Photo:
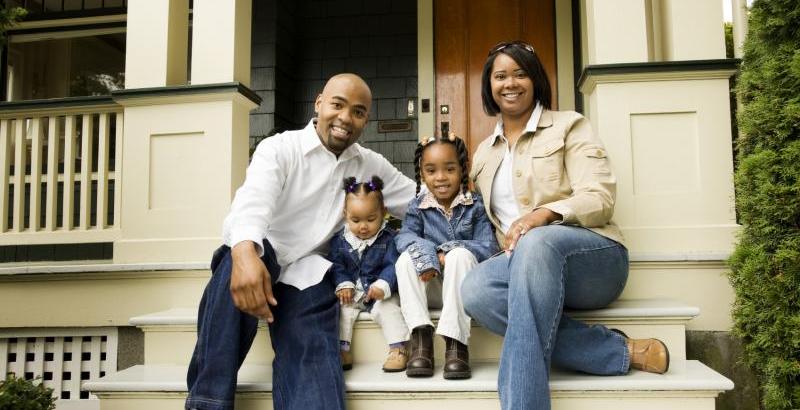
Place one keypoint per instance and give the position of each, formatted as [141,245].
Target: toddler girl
[363,256]
[446,232]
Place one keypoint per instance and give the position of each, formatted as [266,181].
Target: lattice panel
[62,358]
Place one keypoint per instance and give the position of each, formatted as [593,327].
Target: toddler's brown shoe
[396,360]
[347,359]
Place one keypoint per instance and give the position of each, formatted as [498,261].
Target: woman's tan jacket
[562,166]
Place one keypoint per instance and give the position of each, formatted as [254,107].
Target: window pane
[52,5]
[92,4]
[80,66]
[73,4]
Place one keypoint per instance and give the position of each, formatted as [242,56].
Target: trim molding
[656,71]
[179,91]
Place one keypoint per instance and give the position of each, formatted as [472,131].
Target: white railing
[61,166]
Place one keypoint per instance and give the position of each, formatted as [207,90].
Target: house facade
[126,128]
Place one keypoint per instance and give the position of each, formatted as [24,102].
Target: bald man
[272,265]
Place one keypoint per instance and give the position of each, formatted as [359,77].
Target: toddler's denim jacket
[376,262]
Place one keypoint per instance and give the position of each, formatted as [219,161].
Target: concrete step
[170,335]
[689,385]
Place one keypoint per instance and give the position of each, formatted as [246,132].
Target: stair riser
[426,401]
[174,344]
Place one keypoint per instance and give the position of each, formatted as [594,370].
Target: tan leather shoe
[346,358]
[396,360]
[649,355]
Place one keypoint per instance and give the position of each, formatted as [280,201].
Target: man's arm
[398,189]
[252,207]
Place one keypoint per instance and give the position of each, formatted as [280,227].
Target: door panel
[464,31]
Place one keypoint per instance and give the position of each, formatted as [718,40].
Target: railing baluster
[102,172]
[52,173]
[69,171]
[86,171]
[35,204]
[5,156]
[118,169]
[20,159]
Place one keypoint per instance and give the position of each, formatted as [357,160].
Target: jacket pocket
[548,160]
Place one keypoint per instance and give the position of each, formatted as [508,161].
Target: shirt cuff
[423,260]
[248,234]
[566,213]
[345,285]
[384,286]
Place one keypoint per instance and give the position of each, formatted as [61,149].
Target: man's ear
[317,104]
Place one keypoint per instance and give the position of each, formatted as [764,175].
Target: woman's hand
[427,275]
[345,295]
[537,218]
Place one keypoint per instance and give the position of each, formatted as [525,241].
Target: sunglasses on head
[505,44]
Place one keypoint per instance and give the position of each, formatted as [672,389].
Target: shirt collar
[429,201]
[533,123]
[361,244]
[310,141]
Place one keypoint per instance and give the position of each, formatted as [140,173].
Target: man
[271,265]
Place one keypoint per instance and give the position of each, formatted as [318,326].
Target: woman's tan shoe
[649,355]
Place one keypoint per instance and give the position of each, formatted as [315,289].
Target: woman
[549,191]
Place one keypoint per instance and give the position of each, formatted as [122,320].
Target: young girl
[363,256]
[445,233]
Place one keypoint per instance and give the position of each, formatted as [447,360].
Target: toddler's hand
[427,275]
[375,293]
[441,259]
[345,295]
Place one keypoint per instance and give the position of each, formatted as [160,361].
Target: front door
[464,31]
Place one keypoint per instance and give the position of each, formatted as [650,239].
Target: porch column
[655,87]
[692,30]
[157,42]
[617,31]
[186,147]
[221,41]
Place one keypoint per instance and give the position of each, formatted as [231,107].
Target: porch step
[170,335]
[689,385]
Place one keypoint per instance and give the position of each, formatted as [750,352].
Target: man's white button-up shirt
[292,196]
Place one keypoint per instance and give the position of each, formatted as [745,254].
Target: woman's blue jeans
[306,371]
[522,297]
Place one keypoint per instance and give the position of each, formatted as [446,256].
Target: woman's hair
[375,184]
[527,59]
[461,151]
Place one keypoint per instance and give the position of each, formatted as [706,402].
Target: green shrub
[766,263]
[21,394]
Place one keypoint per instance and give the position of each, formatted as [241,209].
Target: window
[65,64]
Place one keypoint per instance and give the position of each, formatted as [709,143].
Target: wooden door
[464,31]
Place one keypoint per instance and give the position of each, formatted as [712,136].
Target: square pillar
[692,30]
[221,41]
[617,31]
[157,42]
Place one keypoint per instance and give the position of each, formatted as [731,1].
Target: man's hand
[345,295]
[251,283]
[375,293]
[427,275]
[525,223]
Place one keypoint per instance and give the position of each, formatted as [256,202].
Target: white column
[739,27]
[692,30]
[617,31]
[156,43]
[221,41]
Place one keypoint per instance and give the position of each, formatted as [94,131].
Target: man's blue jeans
[306,371]
[522,298]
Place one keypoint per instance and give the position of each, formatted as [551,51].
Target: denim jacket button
[419,265]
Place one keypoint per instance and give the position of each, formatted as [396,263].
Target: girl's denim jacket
[376,262]
[427,231]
